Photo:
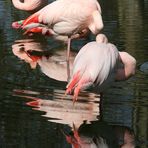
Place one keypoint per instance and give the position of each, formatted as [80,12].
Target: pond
[34,110]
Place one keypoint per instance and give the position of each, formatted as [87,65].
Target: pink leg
[67,58]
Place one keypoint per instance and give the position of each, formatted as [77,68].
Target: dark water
[31,102]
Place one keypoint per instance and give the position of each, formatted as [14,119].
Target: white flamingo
[98,63]
[67,18]
[70,18]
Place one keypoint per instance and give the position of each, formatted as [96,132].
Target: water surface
[31,102]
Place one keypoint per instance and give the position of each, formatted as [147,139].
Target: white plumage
[98,64]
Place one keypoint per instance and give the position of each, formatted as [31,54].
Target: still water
[34,112]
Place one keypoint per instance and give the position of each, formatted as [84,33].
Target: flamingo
[51,62]
[99,134]
[69,18]
[72,18]
[97,64]
[29,5]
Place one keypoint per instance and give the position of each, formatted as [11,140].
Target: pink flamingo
[29,5]
[98,64]
[66,18]
[70,18]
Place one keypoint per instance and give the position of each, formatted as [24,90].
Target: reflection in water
[21,47]
[52,62]
[61,110]
[144,67]
[125,104]
[87,128]
[132,23]
[99,134]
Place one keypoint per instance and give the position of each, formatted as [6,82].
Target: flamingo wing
[68,17]
[92,66]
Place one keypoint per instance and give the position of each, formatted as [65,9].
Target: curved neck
[128,66]
[29,5]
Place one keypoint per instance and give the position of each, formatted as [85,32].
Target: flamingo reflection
[62,110]
[100,134]
[85,71]
[51,62]
[87,130]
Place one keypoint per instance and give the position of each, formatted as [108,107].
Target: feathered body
[67,17]
[97,61]
[95,65]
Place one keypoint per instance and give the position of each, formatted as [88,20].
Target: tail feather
[73,83]
[31,25]
[32,19]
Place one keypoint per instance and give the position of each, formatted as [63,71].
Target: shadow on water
[34,112]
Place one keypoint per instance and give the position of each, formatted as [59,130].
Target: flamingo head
[101,38]
[17,24]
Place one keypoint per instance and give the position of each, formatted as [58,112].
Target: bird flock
[98,63]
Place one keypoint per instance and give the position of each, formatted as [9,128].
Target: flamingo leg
[67,58]
[68,71]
